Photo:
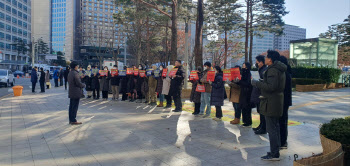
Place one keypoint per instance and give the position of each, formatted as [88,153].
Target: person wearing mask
[139,84]
[95,85]
[66,72]
[205,96]
[160,86]
[287,102]
[260,64]
[196,96]
[42,80]
[235,92]
[34,78]
[217,92]
[74,93]
[152,85]
[166,87]
[47,79]
[271,100]
[145,88]
[104,83]
[88,78]
[246,91]
[56,76]
[131,86]
[115,80]
[124,86]
[61,75]
[176,86]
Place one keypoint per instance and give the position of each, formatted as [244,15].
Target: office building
[15,30]
[290,32]
[41,21]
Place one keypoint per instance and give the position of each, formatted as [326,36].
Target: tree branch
[155,7]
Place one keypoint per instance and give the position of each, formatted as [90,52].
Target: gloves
[254,82]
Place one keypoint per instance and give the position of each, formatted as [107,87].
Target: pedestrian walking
[61,75]
[196,96]
[104,83]
[271,100]
[260,64]
[152,85]
[55,77]
[166,87]
[217,92]
[235,92]
[42,80]
[34,78]
[176,86]
[115,81]
[205,96]
[160,87]
[47,79]
[66,72]
[74,93]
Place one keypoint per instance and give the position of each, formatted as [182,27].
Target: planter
[339,85]
[332,155]
[331,86]
[310,88]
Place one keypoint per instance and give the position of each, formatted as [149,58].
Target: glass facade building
[317,52]
[15,28]
[58,32]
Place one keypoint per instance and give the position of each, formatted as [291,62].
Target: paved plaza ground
[35,131]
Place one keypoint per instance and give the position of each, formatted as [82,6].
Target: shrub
[337,130]
[329,75]
[306,81]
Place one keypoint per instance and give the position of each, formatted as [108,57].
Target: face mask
[106,69]
[78,69]
[205,68]
[160,68]
[140,68]
[256,65]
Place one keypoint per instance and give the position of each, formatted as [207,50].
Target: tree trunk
[251,33]
[148,47]
[226,48]
[173,51]
[246,33]
[139,35]
[198,46]
[166,44]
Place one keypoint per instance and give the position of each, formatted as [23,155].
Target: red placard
[142,73]
[235,73]
[129,71]
[165,71]
[114,72]
[173,71]
[194,75]
[136,72]
[211,76]
[227,75]
[200,88]
[103,72]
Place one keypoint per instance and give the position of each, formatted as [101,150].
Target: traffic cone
[17,76]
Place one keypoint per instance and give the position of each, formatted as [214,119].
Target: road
[25,82]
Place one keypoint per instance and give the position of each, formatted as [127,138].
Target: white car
[6,78]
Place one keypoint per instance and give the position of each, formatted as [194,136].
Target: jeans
[273,128]
[56,82]
[238,110]
[205,102]
[178,102]
[161,98]
[283,122]
[196,108]
[42,86]
[73,109]
[218,112]
[247,115]
[33,86]
[115,91]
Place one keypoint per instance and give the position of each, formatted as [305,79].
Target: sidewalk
[35,131]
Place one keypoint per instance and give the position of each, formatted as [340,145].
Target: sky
[316,15]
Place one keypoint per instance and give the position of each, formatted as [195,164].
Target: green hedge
[306,81]
[329,75]
[337,130]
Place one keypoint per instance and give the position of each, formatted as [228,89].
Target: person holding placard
[166,87]
[124,86]
[115,81]
[196,96]
[152,85]
[95,83]
[104,82]
[88,81]
[176,86]
[246,91]
[205,96]
[235,92]
[160,86]
[217,93]
[131,85]
[139,83]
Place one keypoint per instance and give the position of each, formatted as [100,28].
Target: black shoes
[168,106]
[285,146]
[177,110]
[260,131]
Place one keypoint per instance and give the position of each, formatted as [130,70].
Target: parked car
[6,78]
[19,73]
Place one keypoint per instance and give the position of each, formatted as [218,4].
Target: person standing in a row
[66,72]
[176,86]
[152,85]
[55,77]
[166,87]
[205,96]
[42,80]
[124,87]
[47,79]
[104,82]
[139,84]
[61,74]
[235,92]
[160,86]
[218,93]
[88,77]
[196,96]
[95,85]
[115,80]
[34,78]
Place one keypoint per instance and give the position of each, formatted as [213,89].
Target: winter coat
[166,86]
[124,84]
[75,85]
[235,93]
[131,84]
[65,74]
[144,86]
[104,82]
[55,74]
[195,96]
[42,76]
[139,83]
[115,81]
[177,82]
[246,89]
[204,81]
[272,90]
[152,83]
[47,77]
[88,81]
[255,91]
[61,74]
[288,90]
[34,76]
[159,84]
[95,83]
[218,91]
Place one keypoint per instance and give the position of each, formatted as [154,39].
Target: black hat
[207,64]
